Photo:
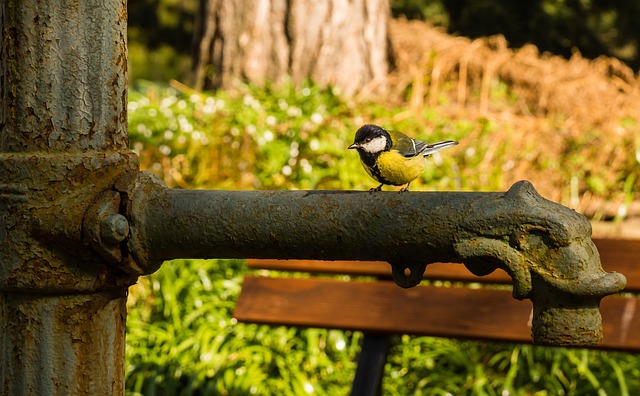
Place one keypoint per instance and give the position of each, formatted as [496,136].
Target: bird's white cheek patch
[375,145]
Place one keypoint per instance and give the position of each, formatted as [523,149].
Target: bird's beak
[353,146]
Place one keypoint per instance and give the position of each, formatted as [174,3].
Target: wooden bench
[380,308]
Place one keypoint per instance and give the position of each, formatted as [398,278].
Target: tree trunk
[332,42]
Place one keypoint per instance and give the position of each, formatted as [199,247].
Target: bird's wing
[405,145]
[428,149]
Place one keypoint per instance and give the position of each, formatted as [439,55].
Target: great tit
[392,157]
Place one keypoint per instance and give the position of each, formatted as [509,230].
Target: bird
[391,157]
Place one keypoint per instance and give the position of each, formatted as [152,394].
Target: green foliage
[296,139]
[431,10]
[159,64]
[262,138]
[159,39]
[426,366]
[182,339]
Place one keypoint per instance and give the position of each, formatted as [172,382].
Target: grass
[181,337]
[182,340]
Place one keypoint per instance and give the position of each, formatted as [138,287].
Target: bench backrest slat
[380,306]
[616,255]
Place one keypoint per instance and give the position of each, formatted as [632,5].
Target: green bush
[182,340]
[282,139]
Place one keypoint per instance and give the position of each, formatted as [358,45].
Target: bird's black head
[371,139]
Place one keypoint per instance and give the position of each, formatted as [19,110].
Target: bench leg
[368,379]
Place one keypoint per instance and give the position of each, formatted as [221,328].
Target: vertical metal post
[371,362]
[63,142]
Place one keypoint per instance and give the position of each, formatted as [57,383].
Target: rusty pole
[63,142]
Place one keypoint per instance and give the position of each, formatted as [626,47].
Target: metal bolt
[114,229]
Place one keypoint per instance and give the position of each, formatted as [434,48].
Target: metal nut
[114,229]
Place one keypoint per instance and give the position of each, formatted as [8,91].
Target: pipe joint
[544,246]
[51,207]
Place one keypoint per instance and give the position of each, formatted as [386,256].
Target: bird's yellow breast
[397,169]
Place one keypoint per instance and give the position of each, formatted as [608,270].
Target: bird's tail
[435,147]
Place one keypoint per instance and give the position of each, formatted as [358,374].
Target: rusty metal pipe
[544,246]
[62,344]
[63,141]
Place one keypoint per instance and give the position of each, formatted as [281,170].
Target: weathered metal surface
[63,142]
[62,344]
[64,75]
[104,228]
[63,138]
[43,201]
[544,246]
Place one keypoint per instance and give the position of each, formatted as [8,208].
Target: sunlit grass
[182,339]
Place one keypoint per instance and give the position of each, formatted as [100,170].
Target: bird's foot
[379,188]
[403,189]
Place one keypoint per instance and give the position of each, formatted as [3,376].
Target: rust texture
[545,247]
[62,345]
[64,76]
[63,144]
[43,200]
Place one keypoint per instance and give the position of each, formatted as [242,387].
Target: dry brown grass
[590,93]
[554,105]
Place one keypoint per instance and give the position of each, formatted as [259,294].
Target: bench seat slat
[458,312]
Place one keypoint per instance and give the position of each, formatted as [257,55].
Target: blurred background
[268,94]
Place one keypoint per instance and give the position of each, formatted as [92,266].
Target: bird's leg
[379,188]
[405,188]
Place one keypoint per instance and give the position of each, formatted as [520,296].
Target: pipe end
[566,326]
